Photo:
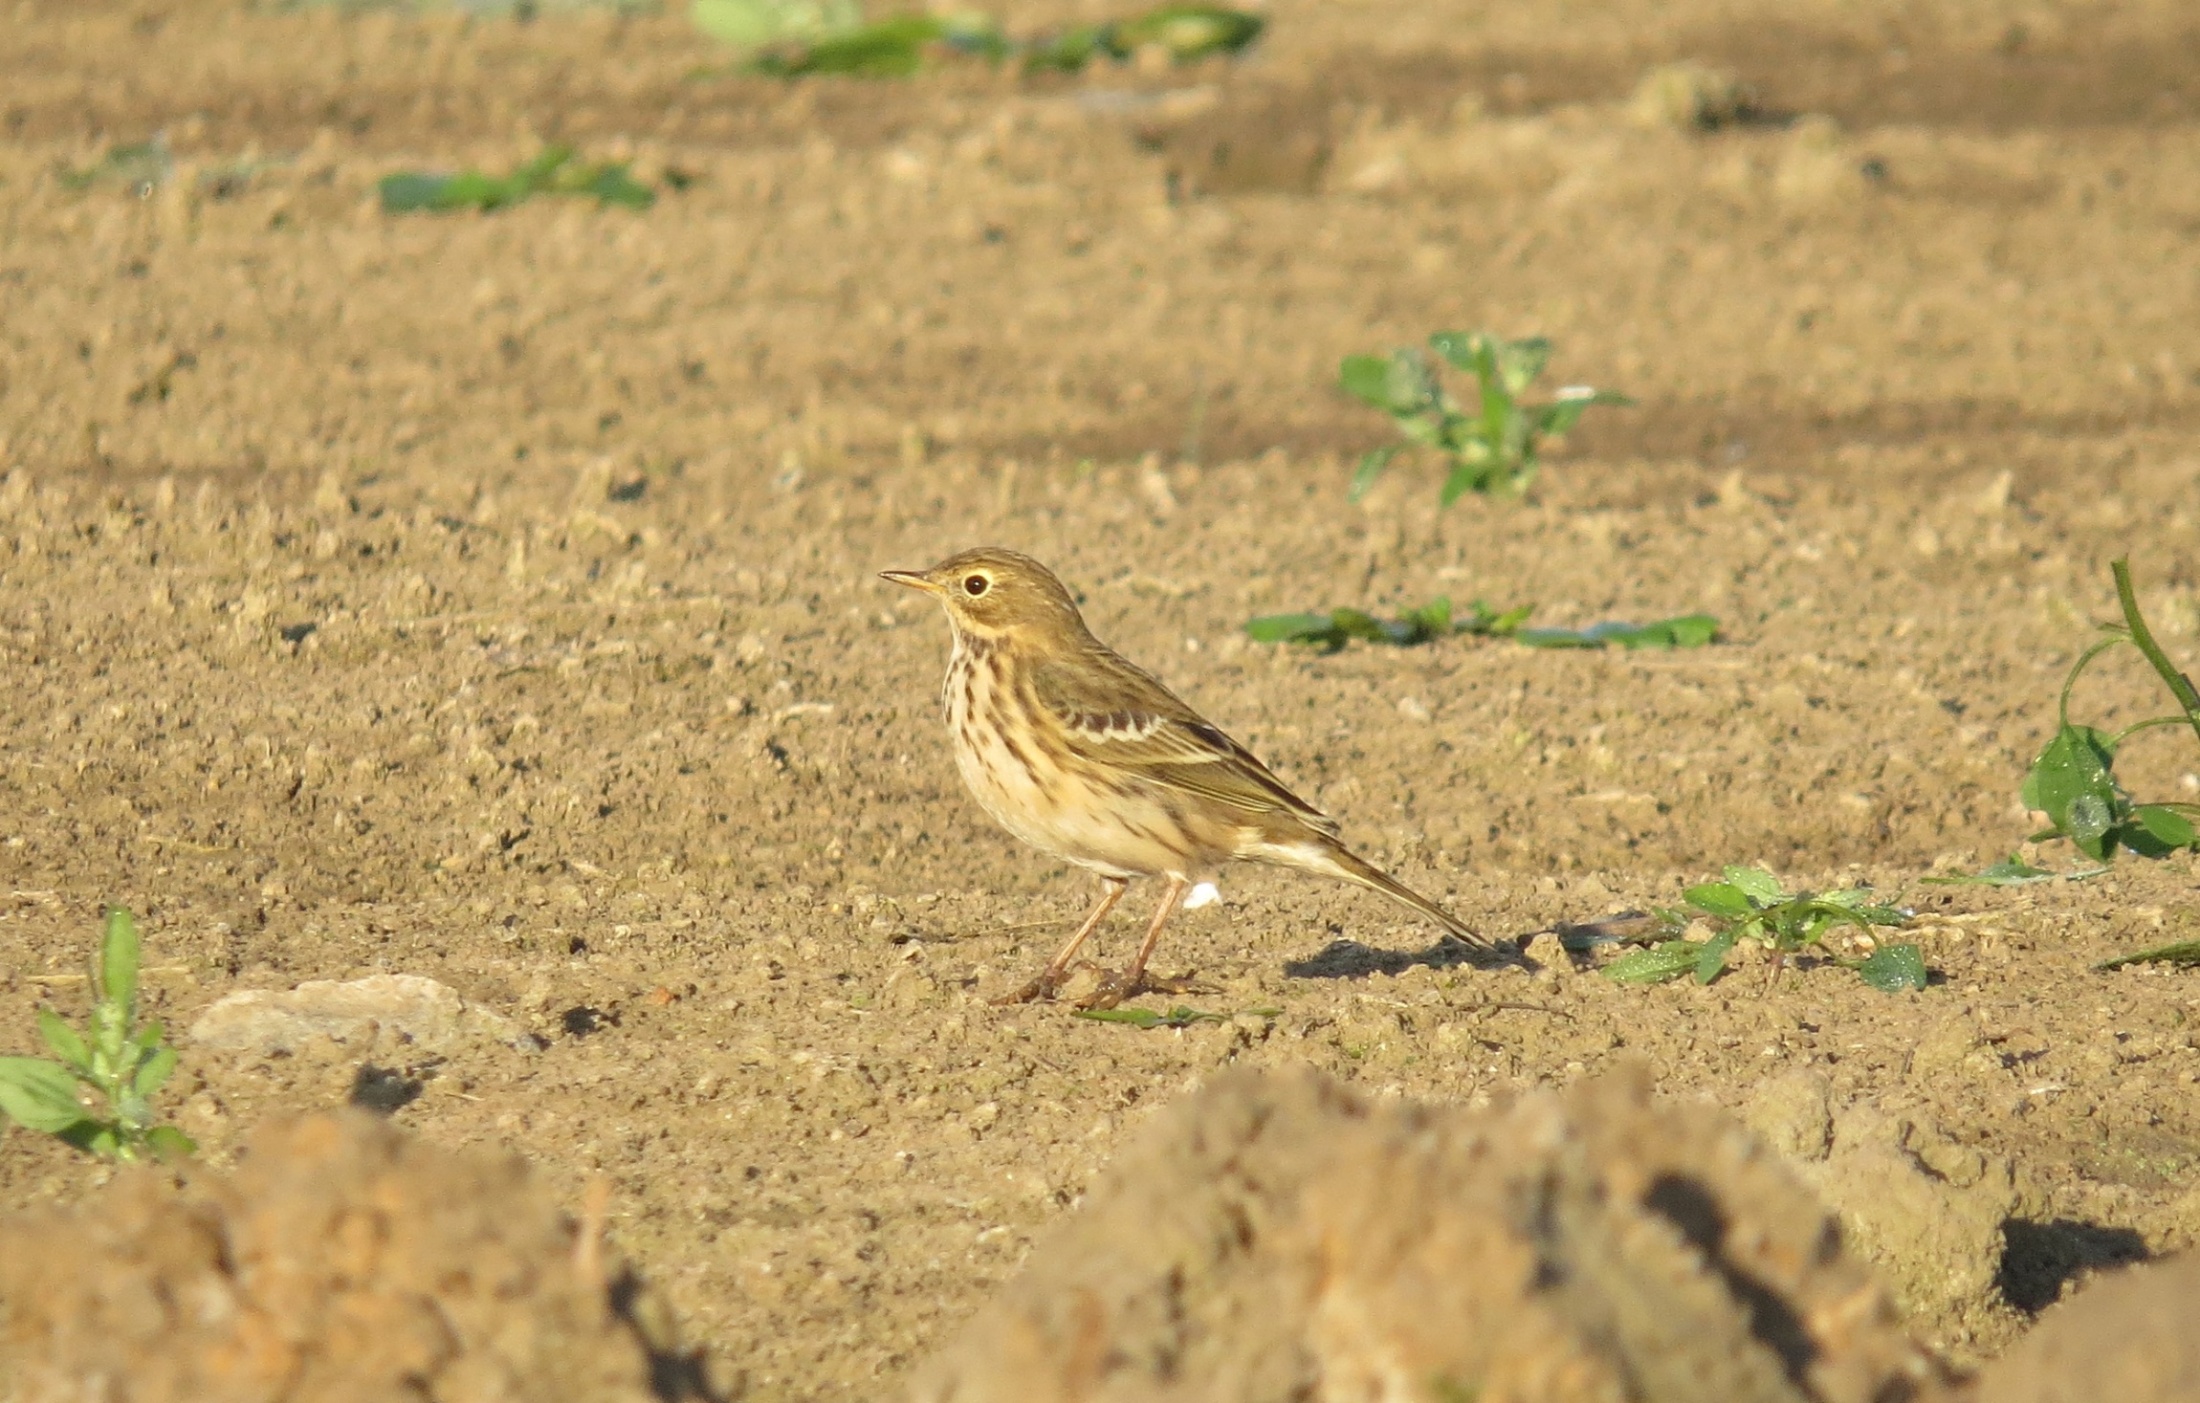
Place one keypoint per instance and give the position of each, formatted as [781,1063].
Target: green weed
[1750,905]
[554,172]
[1683,631]
[119,1064]
[1493,450]
[750,24]
[1332,630]
[2073,781]
[141,168]
[2012,871]
[2185,953]
[901,45]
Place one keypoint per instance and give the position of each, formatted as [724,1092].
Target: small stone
[429,1015]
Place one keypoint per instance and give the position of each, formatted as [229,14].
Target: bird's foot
[1118,985]
[1042,986]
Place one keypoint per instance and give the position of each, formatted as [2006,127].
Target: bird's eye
[975,585]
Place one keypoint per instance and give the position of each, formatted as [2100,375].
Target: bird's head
[996,595]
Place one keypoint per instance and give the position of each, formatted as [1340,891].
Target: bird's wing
[1116,715]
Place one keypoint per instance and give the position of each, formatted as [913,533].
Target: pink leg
[1049,979]
[1118,987]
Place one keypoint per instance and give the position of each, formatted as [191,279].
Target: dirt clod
[1280,1236]
[345,1260]
[2129,1338]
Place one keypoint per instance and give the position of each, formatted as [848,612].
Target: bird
[1087,756]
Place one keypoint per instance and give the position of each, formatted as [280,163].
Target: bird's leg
[1043,984]
[1118,987]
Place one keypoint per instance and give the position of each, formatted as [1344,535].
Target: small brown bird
[1086,756]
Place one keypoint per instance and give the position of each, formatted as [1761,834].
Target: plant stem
[2180,686]
[2062,706]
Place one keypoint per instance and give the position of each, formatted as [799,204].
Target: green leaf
[153,1071]
[1686,631]
[1178,1017]
[1756,883]
[1136,1017]
[1290,628]
[169,1143]
[1188,32]
[96,1137]
[2184,952]
[1431,620]
[1894,968]
[1654,964]
[1556,638]
[1465,477]
[2165,825]
[2072,784]
[118,959]
[611,185]
[1354,623]
[64,1040]
[1711,955]
[408,191]
[38,1095]
[1366,378]
[1719,899]
[1520,362]
[1371,467]
[1465,350]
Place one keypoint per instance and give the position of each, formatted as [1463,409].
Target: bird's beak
[913,578]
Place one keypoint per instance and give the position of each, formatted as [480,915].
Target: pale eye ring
[976,585]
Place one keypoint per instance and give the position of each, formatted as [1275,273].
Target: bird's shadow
[1349,959]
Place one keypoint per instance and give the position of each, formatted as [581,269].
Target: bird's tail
[1335,860]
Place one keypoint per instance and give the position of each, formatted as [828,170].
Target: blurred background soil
[490,599]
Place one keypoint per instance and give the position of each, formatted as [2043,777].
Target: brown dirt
[345,1260]
[1278,1237]
[490,599]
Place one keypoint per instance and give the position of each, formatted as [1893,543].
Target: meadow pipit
[1086,756]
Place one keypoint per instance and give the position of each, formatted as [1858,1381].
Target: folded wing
[1126,719]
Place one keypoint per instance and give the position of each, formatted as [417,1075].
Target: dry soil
[491,598]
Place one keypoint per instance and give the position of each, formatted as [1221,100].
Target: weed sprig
[1751,905]
[119,1063]
[901,45]
[554,172]
[1493,450]
[2073,781]
[1334,628]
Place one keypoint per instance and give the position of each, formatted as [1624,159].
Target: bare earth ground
[491,598]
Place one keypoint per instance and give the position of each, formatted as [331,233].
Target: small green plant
[1750,905]
[2073,781]
[554,172]
[1332,630]
[1683,631]
[900,45]
[1435,619]
[749,24]
[1495,449]
[2184,954]
[119,1064]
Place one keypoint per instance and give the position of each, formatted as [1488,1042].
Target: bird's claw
[1118,985]
[1042,986]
